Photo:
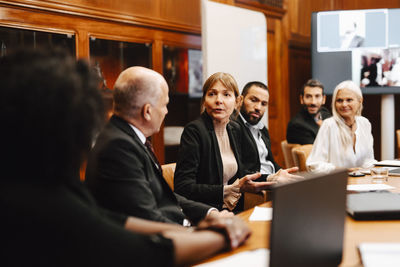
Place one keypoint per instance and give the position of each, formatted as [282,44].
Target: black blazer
[302,128]
[199,169]
[250,157]
[123,177]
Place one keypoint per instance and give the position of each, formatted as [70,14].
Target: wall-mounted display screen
[358,45]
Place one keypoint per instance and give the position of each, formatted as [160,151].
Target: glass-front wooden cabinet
[12,38]
[182,70]
[110,58]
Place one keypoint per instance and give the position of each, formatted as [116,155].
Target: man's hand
[248,185]
[284,176]
[235,229]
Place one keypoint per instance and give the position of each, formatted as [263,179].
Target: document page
[368,187]
[380,254]
[253,258]
[261,214]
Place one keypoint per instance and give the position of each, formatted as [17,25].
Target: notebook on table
[374,206]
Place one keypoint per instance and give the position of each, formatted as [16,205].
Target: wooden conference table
[355,231]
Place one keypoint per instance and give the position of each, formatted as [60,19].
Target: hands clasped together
[233,228]
[233,192]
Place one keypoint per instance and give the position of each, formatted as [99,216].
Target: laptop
[308,221]
[374,206]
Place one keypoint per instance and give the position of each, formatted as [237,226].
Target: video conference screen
[358,45]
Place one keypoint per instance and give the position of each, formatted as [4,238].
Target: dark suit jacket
[302,128]
[123,177]
[199,169]
[250,157]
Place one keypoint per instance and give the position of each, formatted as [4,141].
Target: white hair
[135,87]
[344,130]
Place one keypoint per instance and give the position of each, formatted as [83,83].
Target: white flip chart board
[234,40]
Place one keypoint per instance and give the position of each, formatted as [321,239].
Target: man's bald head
[135,87]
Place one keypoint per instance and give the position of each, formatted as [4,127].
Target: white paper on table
[380,254]
[368,187]
[261,214]
[253,258]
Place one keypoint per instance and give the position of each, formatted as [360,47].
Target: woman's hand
[248,185]
[232,195]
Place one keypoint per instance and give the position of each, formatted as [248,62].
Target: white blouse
[328,152]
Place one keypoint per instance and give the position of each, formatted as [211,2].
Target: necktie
[150,149]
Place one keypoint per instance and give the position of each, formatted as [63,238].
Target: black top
[250,157]
[302,128]
[46,224]
[123,177]
[199,169]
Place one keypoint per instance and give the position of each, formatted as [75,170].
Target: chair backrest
[398,143]
[300,155]
[168,173]
[287,153]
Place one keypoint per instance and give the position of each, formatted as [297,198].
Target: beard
[311,106]
[248,118]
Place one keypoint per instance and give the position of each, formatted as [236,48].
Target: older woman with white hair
[345,139]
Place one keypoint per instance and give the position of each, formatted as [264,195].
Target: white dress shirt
[266,166]
[328,152]
[139,133]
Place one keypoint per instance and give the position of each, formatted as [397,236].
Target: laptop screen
[308,221]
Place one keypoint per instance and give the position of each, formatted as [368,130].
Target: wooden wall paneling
[366,4]
[227,2]
[300,14]
[277,81]
[271,69]
[269,11]
[26,19]
[188,11]
[158,138]
[299,72]
[82,44]
[138,12]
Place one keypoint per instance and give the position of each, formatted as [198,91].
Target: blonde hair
[226,79]
[344,131]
